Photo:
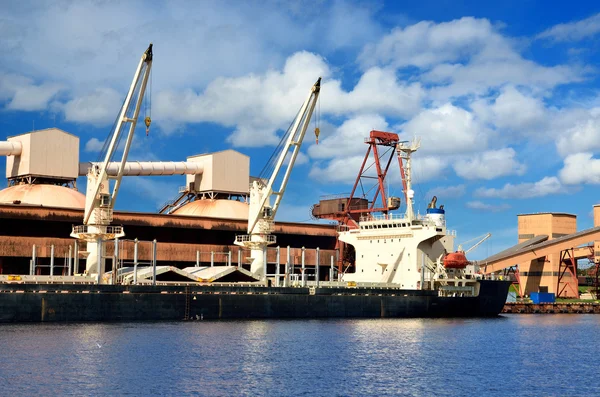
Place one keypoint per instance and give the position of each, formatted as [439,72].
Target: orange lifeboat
[456,260]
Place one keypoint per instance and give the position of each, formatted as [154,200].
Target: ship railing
[244,238]
[384,217]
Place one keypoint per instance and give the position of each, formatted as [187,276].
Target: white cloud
[348,139]
[573,31]
[100,107]
[93,145]
[455,191]
[377,91]
[547,185]
[427,43]
[479,205]
[513,110]
[256,105]
[583,136]
[580,168]
[489,165]
[22,93]
[427,168]
[447,129]
[462,57]
[343,170]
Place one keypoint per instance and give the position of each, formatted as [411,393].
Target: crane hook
[317,132]
[147,121]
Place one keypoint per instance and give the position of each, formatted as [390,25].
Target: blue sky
[504,96]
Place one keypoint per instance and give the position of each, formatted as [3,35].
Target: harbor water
[525,355]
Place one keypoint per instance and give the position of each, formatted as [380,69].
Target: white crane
[99,203]
[261,213]
[477,244]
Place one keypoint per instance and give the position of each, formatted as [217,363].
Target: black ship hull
[75,303]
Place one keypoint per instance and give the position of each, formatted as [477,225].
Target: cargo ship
[404,266]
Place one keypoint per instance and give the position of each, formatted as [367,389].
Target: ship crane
[480,239]
[99,202]
[261,212]
[458,259]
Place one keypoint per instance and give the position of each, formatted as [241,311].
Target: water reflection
[331,357]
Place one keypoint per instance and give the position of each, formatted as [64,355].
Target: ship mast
[405,151]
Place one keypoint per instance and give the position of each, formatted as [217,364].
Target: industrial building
[547,254]
[41,205]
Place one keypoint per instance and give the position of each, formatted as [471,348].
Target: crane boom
[261,213]
[294,141]
[140,77]
[477,244]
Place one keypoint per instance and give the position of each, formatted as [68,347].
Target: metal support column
[288,267]
[154,260]
[277,271]
[70,260]
[75,258]
[212,258]
[317,267]
[239,257]
[52,260]
[33,259]
[229,258]
[115,262]
[266,264]
[331,268]
[135,260]
[99,244]
[303,268]
[197,258]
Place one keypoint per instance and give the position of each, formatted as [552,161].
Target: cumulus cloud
[427,43]
[547,185]
[481,206]
[93,145]
[99,107]
[348,139]
[462,57]
[447,129]
[582,136]
[513,110]
[489,165]
[22,93]
[447,191]
[580,168]
[573,31]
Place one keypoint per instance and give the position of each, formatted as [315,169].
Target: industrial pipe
[146,168]
[10,148]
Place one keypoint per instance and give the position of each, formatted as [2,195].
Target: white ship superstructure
[405,250]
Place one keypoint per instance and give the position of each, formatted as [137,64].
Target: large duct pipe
[146,168]
[10,148]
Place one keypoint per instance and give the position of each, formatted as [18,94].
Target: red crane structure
[348,209]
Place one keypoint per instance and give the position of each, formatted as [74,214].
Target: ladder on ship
[188,297]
